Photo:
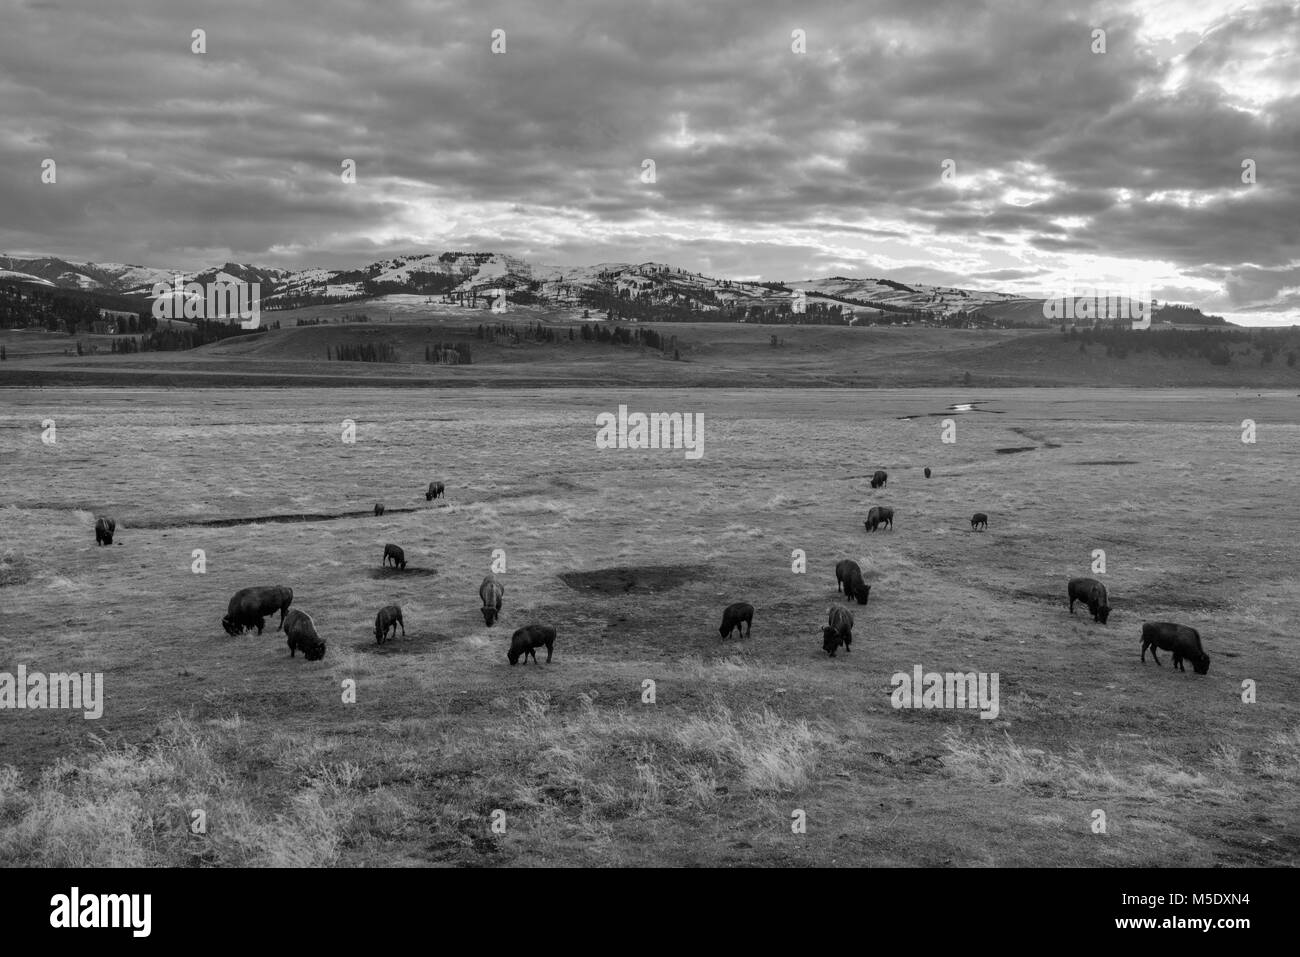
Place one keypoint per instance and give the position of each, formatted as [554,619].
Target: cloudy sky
[1123,166]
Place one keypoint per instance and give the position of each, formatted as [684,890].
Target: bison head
[1201,664]
[232,629]
[830,640]
[379,633]
[862,593]
[513,655]
[316,652]
[489,615]
[1102,612]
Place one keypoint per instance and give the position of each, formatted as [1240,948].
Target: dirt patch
[633,579]
[412,644]
[14,570]
[1012,449]
[410,571]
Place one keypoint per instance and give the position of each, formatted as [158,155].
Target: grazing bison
[104,529]
[1093,594]
[389,617]
[490,593]
[733,616]
[927,471]
[396,555]
[879,515]
[435,490]
[527,640]
[838,630]
[302,636]
[1184,642]
[379,509]
[250,606]
[848,578]
[879,479]
[979,520]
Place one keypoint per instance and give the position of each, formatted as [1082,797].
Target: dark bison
[490,593]
[848,578]
[879,479]
[435,490]
[104,529]
[389,617]
[527,640]
[379,509]
[732,618]
[838,630]
[927,471]
[979,520]
[395,555]
[302,636]
[1184,642]
[1093,594]
[879,515]
[250,606]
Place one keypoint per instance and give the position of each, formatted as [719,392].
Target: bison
[877,516]
[104,529]
[838,630]
[1184,642]
[527,640]
[435,490]
[927,471]
[848,578]
[879,479]
[302,636]
[490,593]
[1093,594]
[250,606]
[395,555]
[389,617]
[979,520]
[732,618]
[379,509]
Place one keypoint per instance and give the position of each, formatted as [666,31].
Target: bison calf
[395,555]
[389,617]
[490,593]
[1093,594]
[979,520]
[733,616]
[104,529]
[838,630]
[879,479]
[302,636]
[436,489]
[1183,641]
[927,471]
[379,509]
[527,640]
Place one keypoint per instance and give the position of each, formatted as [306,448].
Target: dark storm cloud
[166,157]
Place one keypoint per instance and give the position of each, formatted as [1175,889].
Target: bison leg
[1178,662]
[548,652]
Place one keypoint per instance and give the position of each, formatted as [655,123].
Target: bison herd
[1183,642]
[249,607]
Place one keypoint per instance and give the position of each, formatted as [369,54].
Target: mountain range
[475,276]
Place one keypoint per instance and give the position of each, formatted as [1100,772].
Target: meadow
[632,555]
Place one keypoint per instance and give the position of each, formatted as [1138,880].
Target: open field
[631,555]
[712,355]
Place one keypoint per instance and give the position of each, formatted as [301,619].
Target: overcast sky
[1104,168]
